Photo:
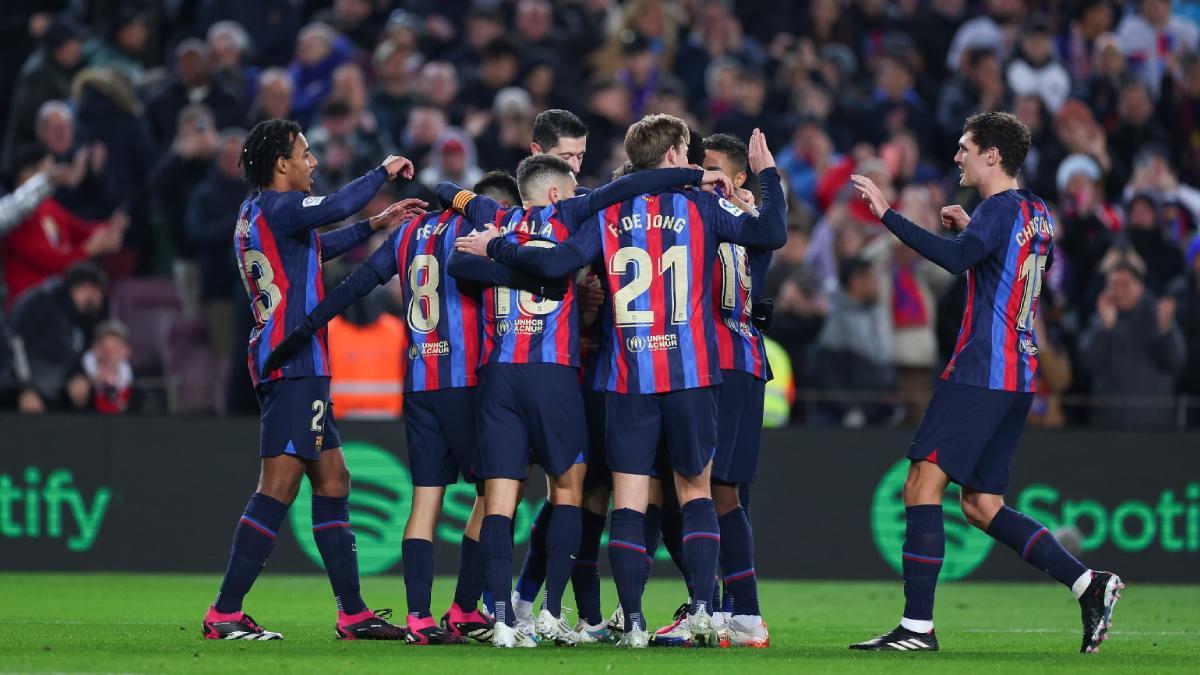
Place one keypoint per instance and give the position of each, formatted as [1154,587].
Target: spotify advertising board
[164,494]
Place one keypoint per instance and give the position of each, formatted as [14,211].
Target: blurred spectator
[107,368]
[123,44]
[855,350]
[806,159]
[750,111]
[506,140]
[996,31]
[274,23]
[933,30]
[1183,114]
[1153,175]
[212,212]
[1035,69]
[26,196]
[95,192]
[356,19]
[1134,351]
[1136,125]
[392,96]
[55,321]
[1103,88]
[1078,133]
[800,303]
[1054,371]
[230,45]
[319,51]
[344,148]
[483,24]
[176,174]
[453,160]
[498,69]
[1087,226]
[716,34]
[192,82]
[1154,40]
[44,76]
[1163,257]
[1186,294]
[439,83]
[51,238]
[274,99]
[534,24]
[977,87]
[1044,152]
[1077,44]
[350,87]
[425,123]
[607,116]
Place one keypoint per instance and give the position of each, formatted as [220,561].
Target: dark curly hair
[267,141]
[1002,131]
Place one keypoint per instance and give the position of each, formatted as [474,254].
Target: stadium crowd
[125,121]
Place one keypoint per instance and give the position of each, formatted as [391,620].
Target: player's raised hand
[760,156]
[399,212]
[398,166]
[716,179]
[476,243]
[871,194]
[954,217]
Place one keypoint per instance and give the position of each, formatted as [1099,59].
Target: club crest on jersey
[1026,346]
[319,442]
[312,201]
[729,206]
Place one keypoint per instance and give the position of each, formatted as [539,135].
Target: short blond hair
[649,138]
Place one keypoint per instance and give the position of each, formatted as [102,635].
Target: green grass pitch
[150,624]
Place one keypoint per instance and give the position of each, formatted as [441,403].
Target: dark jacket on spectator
[162,109]
[212,212]
[169,183]
[1132,361]
[1186,292]
[41,79]
[54,334]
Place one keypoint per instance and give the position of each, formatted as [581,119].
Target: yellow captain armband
[460,200]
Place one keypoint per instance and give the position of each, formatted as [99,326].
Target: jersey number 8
[424,308]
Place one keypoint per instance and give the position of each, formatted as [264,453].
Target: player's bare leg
[330,480]
[562,544]
[278,482]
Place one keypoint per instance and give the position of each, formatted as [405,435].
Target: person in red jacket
[52,238]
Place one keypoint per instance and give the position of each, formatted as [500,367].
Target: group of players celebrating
[613,337]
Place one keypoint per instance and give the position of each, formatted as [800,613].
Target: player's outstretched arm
[767,231]
[580,249]
[377,269]
[468,267]
[578,209]
[477,209]
[335,243]
[296,212]
[953,255]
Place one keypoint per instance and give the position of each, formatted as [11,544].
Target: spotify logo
[379,504]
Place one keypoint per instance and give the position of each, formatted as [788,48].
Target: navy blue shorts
[442,441]
[529,413]
[684,421]
[297,418]
[971,433]
[739,426]
[598,473]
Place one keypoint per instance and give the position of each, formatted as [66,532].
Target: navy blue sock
[533,569]
[627,555]
[1036,545]
[651,537]
[335,541]
[470,575]
[585,577]
[418,575]
[495,539]
[252,543]
[488,604]
[562,543]
[727,599]
[924,548]
[701,547]
[737,562]
[744,497]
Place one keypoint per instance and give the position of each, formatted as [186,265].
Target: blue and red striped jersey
[737,282]
[996,346]
[520,327]
[444,321]
[593,335]
[279,255]
[658,252]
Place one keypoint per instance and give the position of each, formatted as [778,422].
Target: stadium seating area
[125,119]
